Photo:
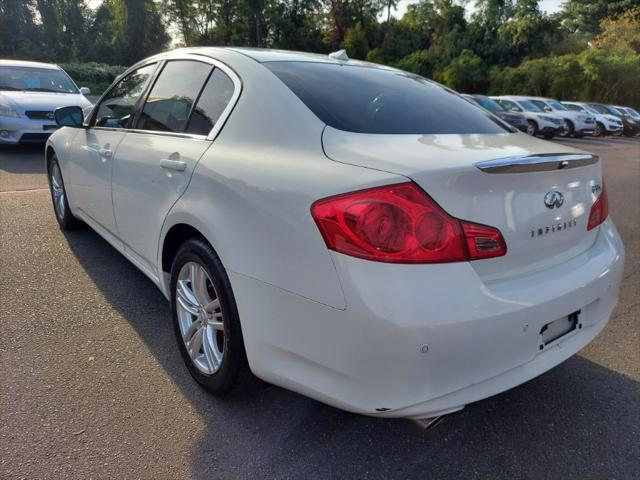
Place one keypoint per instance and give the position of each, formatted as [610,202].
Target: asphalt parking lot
[92,385]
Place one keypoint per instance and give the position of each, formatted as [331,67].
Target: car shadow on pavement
[19,158]
[579,420]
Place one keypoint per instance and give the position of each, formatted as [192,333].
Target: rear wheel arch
[174,238]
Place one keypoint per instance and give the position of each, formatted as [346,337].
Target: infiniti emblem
[553,199]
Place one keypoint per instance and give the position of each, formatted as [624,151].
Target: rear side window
[375,100]
[169,103]
[213,100]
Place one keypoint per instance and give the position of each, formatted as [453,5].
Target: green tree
[466,73]
[355,42]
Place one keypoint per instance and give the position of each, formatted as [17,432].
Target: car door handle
[105,152]
[176,165]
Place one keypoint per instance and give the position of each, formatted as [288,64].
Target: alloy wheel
[200,318]
[531,129]
[59,200]
[566,129]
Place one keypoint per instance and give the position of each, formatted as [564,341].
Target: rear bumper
[422,340]
[24,130]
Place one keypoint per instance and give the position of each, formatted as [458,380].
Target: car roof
[24,63]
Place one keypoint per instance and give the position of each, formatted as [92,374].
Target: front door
[95,149]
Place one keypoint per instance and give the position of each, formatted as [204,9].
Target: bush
[96,76]
[595,74]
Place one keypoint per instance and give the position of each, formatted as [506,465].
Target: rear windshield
[374,100]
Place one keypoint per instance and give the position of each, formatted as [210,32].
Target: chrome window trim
[537,163]
[237,90]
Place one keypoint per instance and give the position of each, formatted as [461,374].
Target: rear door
[155,160]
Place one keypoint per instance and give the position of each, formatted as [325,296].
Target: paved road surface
[92,385]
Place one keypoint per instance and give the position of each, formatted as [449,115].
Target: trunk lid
[508,193]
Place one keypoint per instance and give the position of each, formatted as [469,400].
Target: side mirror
[85,91]
[515,109]
[69,117]
[548,109]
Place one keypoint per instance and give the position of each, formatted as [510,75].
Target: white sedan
[352,232]
[29,94]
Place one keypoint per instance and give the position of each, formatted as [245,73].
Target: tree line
[589,50]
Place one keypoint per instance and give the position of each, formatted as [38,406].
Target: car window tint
[213,100]
[539,104]
[378,100]
[575,108]
[116,109]
[557,105]
[489,104]
[509,105]
[34,79]
[169,103]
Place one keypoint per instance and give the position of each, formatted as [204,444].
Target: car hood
[22,101]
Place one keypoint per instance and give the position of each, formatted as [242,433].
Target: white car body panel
[373,338]
[543,120]
[13,128]
[611,123]
[582,123]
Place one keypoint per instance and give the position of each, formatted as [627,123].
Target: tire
[599,130]
[220,363]
[567,131]
[532,128]
[59,198]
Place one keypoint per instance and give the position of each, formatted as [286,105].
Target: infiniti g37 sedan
[352,232]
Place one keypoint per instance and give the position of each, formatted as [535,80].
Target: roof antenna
[340,55]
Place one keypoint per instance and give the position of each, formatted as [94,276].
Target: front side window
[364,99]
[509,105]
[169,103]
[540,104]
[530,107]
[557,106]
[32,79]
[575,108]
[213,100]
[116,109]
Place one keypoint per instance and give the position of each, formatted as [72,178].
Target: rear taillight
[401,224]
[599,210]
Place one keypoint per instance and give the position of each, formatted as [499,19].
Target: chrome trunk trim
[537,163]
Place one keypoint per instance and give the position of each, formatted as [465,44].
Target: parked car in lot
[633,113]
[360,235]
[629,126]
[538,122]
[631,121]
[29,94]
[606,123]
[576,124]
[513,118]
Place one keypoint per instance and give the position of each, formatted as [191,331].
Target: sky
[549,6]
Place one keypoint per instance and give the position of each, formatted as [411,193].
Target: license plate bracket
[557,329]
